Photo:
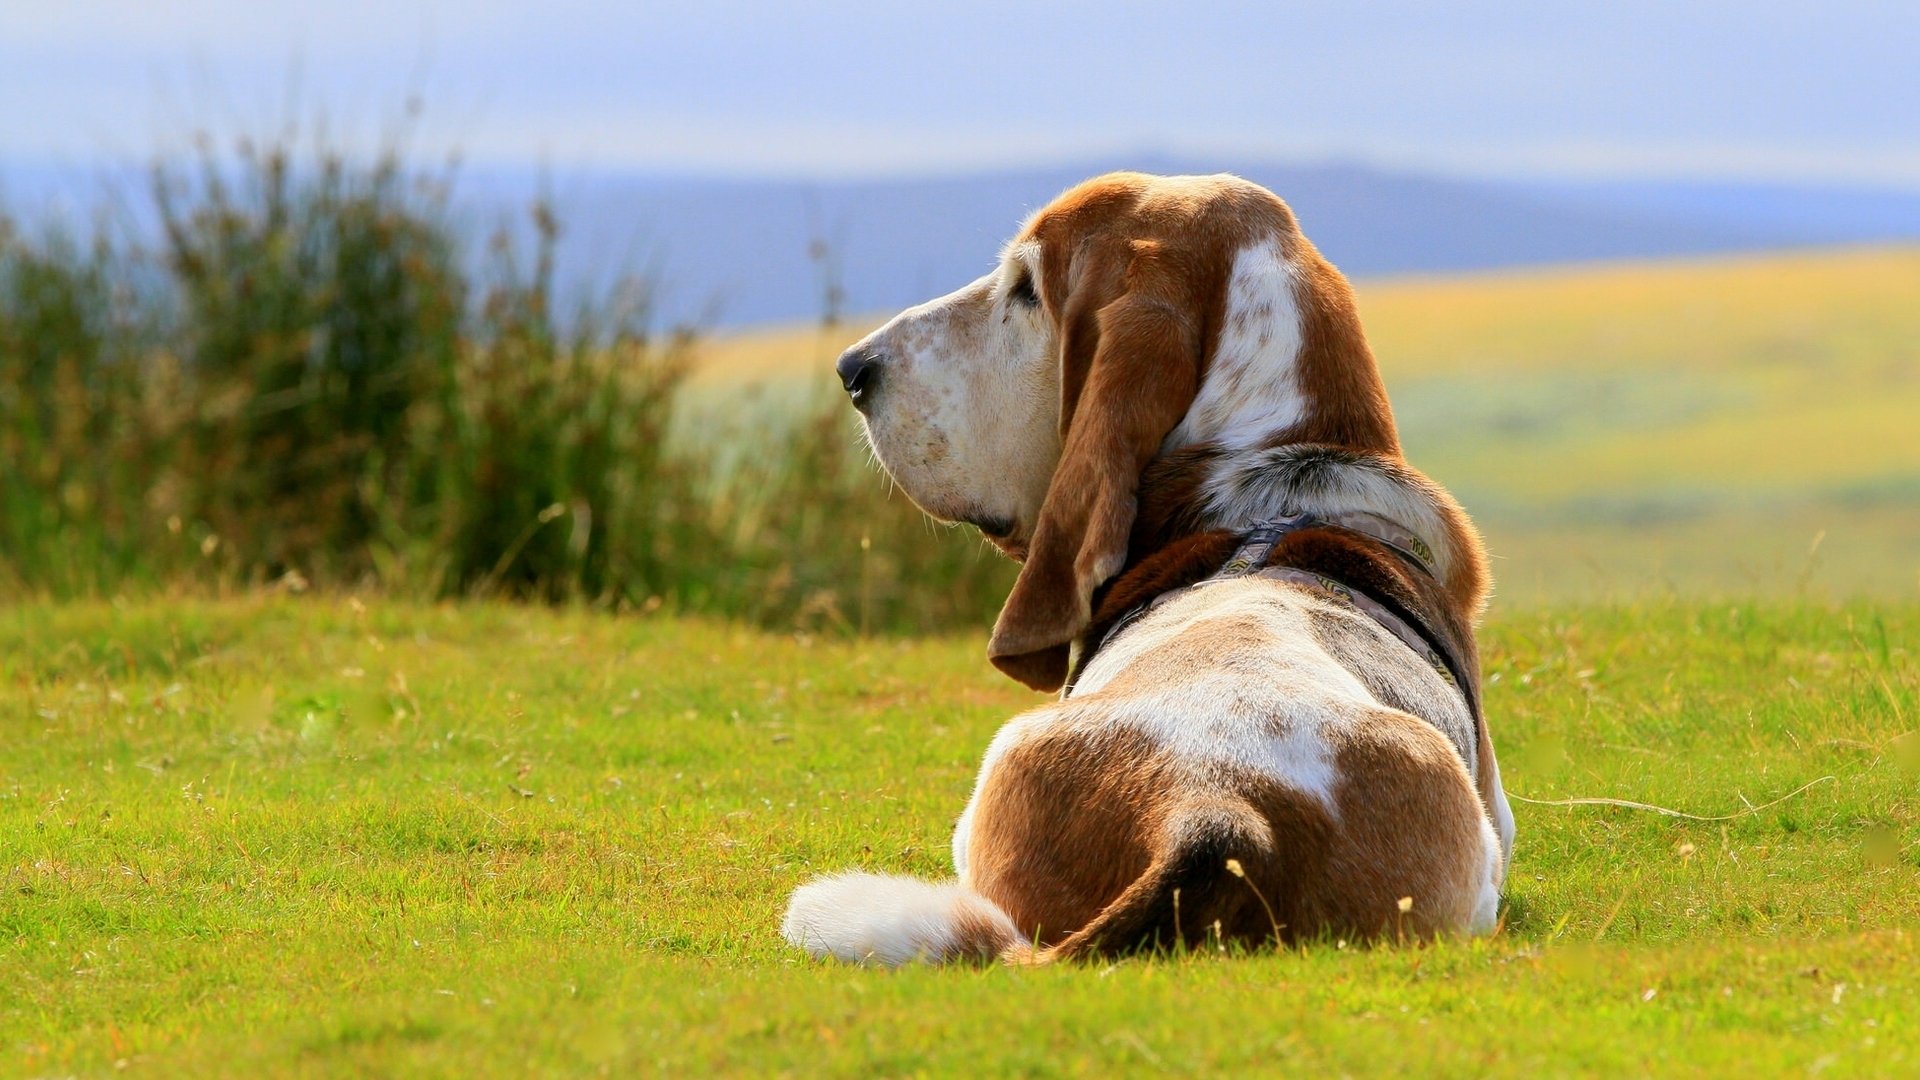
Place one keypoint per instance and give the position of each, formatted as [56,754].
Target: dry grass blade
[1629,804]
[1234,868]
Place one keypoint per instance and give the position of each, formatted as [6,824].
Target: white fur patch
[965,409]
[871,919]
[1266,703]
[1252,388]
[1502,817]
[1486,902]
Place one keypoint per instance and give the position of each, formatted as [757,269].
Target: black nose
[859,371]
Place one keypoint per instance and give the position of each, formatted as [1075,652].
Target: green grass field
[328,836]
[325,835]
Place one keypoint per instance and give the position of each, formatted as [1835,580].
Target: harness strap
[1257,544]
[1374,609]
[1250,560]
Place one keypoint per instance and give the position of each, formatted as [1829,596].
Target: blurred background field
[1728,425]
[317,374]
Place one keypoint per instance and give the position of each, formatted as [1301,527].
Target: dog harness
[1250,560]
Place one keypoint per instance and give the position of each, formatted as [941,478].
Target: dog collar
[1256,546]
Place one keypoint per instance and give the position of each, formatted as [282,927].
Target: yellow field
[1728,425]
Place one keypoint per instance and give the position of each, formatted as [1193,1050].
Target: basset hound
[1162,404]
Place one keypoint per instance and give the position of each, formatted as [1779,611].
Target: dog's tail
[1186,893]
[870,919]
[1195,888]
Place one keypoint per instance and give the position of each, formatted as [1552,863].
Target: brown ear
[1129,367]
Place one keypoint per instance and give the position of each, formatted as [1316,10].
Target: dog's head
[1133,317]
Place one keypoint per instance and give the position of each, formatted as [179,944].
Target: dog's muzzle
[859,371]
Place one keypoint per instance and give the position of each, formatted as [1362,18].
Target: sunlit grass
[346,836]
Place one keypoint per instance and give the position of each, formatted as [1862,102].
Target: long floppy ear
[1129,368]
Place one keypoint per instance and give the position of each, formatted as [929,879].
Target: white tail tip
[870,919]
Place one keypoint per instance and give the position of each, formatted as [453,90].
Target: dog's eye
[1023,292]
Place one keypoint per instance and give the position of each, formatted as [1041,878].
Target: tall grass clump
[555,475]
[78,433]
[317,315]
[309,375]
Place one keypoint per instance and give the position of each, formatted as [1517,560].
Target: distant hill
[737,252]
[734,252]
[1814,215]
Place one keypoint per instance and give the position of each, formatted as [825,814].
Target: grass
[340,836]
[1696,427]
[311,376]
[243,831]
[302,377]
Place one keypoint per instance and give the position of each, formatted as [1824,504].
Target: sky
[1703,89]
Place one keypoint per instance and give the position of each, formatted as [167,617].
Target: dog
[1161,403]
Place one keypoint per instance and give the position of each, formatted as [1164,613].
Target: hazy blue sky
[1800,91]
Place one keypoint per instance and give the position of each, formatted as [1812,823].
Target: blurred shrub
[318,312]
[303,386]
[813,538]
[78,436]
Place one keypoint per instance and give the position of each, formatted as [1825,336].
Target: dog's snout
[859,371]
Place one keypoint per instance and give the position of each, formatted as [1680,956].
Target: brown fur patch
[978,934]
[1170,566]
[1170,498]
[1348,404]
[1135,273]
[1410,824]
[1406,823]
[1407,826]
[1065,822]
